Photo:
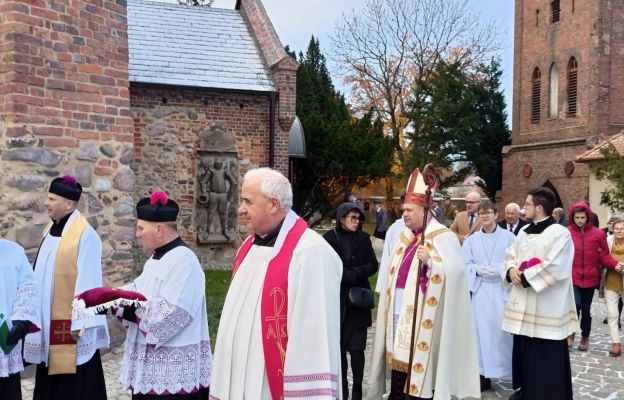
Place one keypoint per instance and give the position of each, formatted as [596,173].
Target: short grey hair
[274,185]
[514,206]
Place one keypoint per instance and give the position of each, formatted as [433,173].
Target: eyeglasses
[355,218]
[484,213]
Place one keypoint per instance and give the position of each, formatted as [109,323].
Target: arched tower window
[553,93]
[536,96]
[572,87]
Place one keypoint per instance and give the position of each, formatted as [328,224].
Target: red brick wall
[245,115]
[541,46]
[64,108]
[283,69]
[592,33]
[547,163]
[65,71]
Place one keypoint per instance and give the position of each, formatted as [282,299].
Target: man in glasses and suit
[466,222]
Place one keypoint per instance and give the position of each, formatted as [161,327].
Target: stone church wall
[170,125]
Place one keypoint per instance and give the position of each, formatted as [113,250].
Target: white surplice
[392,237]
[484,255]
[167,350]
[312,363]
[546,308]
[94,329]
[19,299]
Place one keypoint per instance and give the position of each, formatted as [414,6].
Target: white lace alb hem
[166,369]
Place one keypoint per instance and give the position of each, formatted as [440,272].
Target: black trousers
[201,394]
[583,298]
[397,387]
[86,384]
[357,367]
[11,387]
[541,368]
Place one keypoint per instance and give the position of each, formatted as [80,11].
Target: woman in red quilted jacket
[590,253]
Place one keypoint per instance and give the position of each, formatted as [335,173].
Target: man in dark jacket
[512,221]
[590,252]
[359,262]
[381,220]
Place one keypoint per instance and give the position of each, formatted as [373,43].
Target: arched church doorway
[550,186]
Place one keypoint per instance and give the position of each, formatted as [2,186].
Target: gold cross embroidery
[60,334]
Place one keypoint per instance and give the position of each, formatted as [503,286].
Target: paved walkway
[595,374]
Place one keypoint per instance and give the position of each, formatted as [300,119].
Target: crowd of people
[464,297]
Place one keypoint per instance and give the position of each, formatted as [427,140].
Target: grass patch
[217,284]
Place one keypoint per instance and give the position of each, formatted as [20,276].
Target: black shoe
[604,321]
[517,395]
[486,383]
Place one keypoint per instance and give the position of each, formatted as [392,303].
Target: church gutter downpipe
[272,99]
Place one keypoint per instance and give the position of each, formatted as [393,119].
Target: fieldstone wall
[172,127]
[64,109]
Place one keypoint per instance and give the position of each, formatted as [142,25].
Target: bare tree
[387,46]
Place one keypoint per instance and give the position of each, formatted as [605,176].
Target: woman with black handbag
[356,298]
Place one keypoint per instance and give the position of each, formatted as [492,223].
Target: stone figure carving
[217,187]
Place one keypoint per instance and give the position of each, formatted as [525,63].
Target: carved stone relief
[217,187]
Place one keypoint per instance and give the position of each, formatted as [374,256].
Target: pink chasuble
[274,306]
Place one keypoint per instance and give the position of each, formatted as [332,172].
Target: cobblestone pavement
[595,375]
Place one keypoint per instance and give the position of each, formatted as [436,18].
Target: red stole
[274,306]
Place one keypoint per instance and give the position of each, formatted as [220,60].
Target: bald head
[472,199]
[512,213]
[558,214]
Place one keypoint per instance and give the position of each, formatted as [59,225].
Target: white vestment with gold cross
[445,350]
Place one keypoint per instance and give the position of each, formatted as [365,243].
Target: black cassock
[10,387]
[86,384]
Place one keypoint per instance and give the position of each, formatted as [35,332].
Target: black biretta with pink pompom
[66,186]
[157,208]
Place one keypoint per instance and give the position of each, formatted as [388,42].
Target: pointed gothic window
[554,92]
[536,96]
[572,87]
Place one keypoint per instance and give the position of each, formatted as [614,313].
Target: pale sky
[297,20]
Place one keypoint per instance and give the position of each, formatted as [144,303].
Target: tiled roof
[174,44]
[595,153]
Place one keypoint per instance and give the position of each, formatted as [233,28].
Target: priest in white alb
[279,334]
[445,361]
[19,312]
[167,352]
[69,262]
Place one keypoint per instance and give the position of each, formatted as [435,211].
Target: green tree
[342,151]
[196,2]
[457,121]
[611,169]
